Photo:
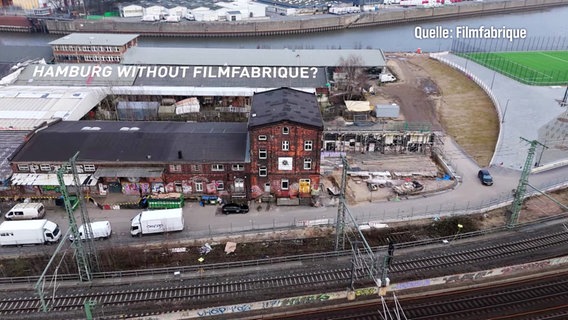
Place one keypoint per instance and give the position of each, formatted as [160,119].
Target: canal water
[550,22]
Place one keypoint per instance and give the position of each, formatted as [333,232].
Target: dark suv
[485,177]
[230,208]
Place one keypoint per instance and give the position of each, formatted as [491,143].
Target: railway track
[535,298]
[195,290]
[481,254]
[190,292]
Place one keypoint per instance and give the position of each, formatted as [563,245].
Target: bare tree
[352,75]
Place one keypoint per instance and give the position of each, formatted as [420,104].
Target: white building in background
[204,14]
[132,11]
[247,8]
[234,16]
[178,11]
[156,11]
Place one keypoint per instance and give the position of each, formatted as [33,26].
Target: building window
[86,48]
[284,183]
[23,167]
[285,145]
[308,145]
[262,171]
[175,167]
[220,185]
[89,167]
[196,167]
[285,130]
[239,185]
[262,138]
[307,164]
[238,167]
[44,167]
[217,167]
[198,186]
[262,154]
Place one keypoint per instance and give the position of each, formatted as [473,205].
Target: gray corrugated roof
[250,57]
[219,142]
[188,76]
[96,39]
[9,142]
[75,74]
[285,104]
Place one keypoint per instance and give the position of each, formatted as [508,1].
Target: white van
[100,229]
[25,211]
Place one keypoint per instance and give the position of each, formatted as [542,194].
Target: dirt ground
[429,91]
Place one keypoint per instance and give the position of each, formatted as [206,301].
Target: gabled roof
[285,104]
[134,141]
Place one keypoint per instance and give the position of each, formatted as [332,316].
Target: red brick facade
[290,153]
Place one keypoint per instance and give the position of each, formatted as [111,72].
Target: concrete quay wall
[294,26]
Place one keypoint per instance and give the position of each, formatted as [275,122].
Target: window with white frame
[44,167]
[262,154]
[307,164]
[217,167]
[238,167]
[285,130]
[86,48]
[285,145]
[308,145]
[262,137]
[89,167]
[220,185]
[284,184]
[262,171]
[175,167]
[198,186]
[23,167]
[196,167]
[239,185]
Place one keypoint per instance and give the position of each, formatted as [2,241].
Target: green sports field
[534,67]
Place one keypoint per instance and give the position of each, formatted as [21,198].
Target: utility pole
[523,182]
[85,257]
[340,220]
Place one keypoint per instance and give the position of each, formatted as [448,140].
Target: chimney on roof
[180,155]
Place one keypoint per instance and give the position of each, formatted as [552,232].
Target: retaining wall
[271,27]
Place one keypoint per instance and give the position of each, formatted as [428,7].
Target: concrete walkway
[530,112]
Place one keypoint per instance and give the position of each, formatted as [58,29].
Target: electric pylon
[523,181]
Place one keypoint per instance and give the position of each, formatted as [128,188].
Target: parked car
[230,208]
[485,177]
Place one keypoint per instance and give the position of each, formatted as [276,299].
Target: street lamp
[505,112]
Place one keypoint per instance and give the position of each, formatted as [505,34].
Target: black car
[485,177]
[230,208]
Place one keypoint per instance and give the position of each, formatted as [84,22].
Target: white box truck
[29,232]
[100,230]
[157,221]
[24,211]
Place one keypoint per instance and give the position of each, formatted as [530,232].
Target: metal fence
[482,51]
[542,43]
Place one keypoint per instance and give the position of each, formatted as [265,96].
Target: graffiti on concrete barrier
[224,310]
[366,291]
[271,304]
[304,299]
[412,284]
[526,267]
[467,276]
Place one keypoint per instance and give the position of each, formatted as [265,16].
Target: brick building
[276,153]
[285,128]
[92,47]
